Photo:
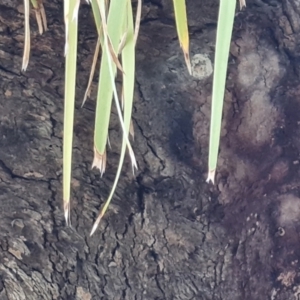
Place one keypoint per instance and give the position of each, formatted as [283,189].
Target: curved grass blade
[182,29]
[71,25]
[128,63]
[26,53]
[224,33]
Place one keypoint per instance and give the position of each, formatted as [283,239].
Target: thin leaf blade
[128,62]
[71,25]
[224,34]
[182,29]
[105,86]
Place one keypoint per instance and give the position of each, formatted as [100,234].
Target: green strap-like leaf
[224,33]
[128,63]
[182,29]
[71,24]
[115,19]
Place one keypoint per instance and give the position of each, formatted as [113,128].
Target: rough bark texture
[168,234]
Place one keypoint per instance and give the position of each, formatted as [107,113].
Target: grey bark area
[167,234]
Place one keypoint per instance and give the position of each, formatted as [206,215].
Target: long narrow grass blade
[106,87]
[128,62]
[182,30]
[38,16]
[224,33]
[44,18]
[110,65]
[137,20]
[97,19]
[26,53]
[88,89]
[71,25]
[66,19]
[39,21]
[97,16]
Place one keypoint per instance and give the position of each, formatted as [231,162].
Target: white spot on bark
[201,66]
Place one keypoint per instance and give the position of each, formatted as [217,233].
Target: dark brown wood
[167,234]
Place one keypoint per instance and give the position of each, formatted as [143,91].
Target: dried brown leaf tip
[96,224]
[211,176]
[99,161]
[242,4]
[67,212]
[188,62]
[40,15]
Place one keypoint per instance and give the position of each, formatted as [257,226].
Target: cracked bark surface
[167,234]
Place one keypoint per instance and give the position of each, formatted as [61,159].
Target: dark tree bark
[167,234]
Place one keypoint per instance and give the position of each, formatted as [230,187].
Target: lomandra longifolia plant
[118,27]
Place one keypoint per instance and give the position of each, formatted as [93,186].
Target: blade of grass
[97,19]
[182,29]
[26,53]
[137,20]
[40,15]
[97,16]
[106,86]
[88,89]
[113,54]
[44,18]
[128,63]
[122,42]
[224,33]
[37,15]
[131,153]
[71,25]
